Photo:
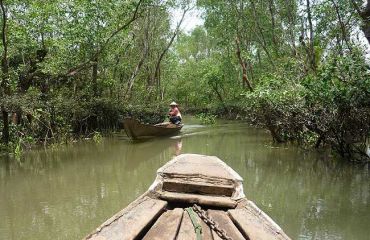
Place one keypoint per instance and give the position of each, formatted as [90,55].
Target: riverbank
[61,124]
[282,125]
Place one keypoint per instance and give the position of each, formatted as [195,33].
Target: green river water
[65,193]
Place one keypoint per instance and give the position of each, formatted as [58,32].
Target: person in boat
[174,114]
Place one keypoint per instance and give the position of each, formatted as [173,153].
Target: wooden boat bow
[182,182]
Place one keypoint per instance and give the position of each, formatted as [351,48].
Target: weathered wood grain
[214,201]
[194,164]
[223,220]
[199,174]
[166,227]
[187,232]
[181,185]
[129,223]
[255,224]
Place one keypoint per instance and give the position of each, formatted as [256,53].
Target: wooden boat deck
[187,179]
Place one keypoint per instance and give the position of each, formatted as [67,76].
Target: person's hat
[173,104]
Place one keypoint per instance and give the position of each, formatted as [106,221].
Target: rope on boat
[197,227]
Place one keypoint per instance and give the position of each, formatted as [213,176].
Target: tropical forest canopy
[299,68]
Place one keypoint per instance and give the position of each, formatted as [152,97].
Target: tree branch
[242,64]
[156,73]
[357,8]
[90,62]
[342,26]
[113,34]
[365,15]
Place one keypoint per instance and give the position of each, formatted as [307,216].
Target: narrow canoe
[163,211]
[136,130]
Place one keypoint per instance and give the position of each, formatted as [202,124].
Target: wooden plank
[242,203]
[166,226]
[187,232]
[214,201]
[225,223]
[206,231]
[179,185]
[255,224]
[215,236]
[130,222]
[195,165]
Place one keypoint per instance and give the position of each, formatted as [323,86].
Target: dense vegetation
[296,67]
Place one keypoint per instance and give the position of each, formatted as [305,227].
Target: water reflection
[66,193]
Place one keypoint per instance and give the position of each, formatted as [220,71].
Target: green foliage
[18,150]
[207,119]
[277,106]
[70,64]
[150,113]
[311,89]
[329,108]
[97,138]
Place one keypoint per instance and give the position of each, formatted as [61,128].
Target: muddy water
[65,193]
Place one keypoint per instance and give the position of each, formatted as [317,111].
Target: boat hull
[136,130]
[198,182]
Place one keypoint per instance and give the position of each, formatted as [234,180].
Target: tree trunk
[146,41]
[365,16]
[5,70]
[95,76]
[312,56]
[291,28]
[219,96]
[130,83]
[158,65]
[6,136]
[260,36]
[273,26]
[242,64]
[366,21]
[250,70]
[345,36]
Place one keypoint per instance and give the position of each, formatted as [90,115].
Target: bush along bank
[65,121]
[329,108]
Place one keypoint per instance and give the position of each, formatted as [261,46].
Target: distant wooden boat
[189,191]
[136,130]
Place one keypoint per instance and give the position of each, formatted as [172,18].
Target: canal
[65,192]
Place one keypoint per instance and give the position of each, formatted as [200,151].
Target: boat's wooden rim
[158,125]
